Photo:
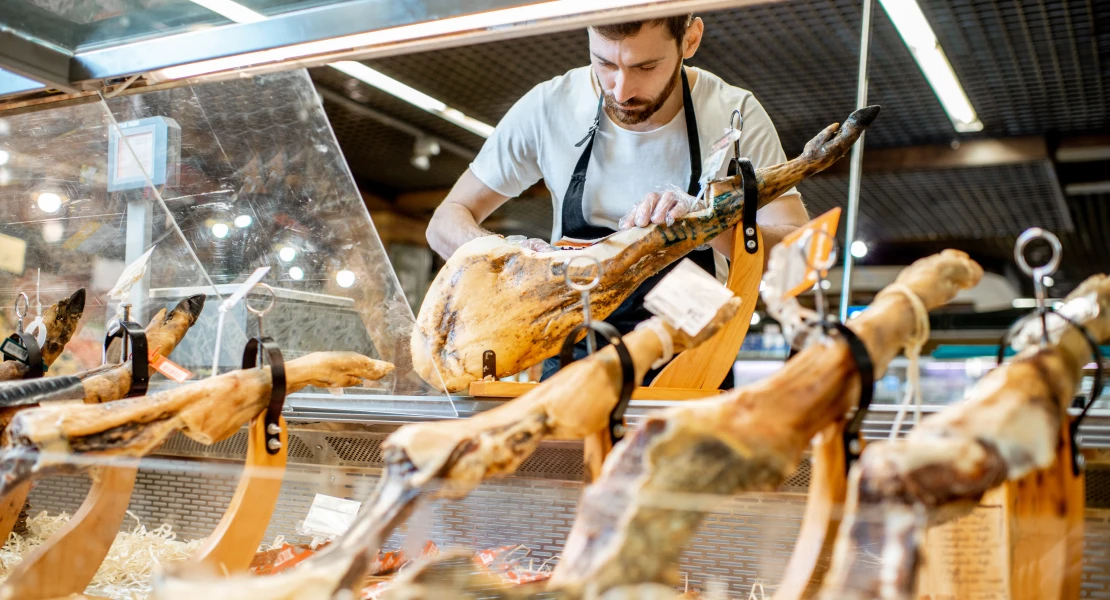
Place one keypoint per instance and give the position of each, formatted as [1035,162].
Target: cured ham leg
[207,411]
[492,295]
[60,320]
[630,531]
[1006,427]
[573,404]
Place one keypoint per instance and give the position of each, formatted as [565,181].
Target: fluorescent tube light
[242,14]
[452,25]
[231,10]
[922,42]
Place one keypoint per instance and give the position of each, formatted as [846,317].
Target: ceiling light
[922,42]
[826,284]
[5,156]
[411,95]
[345,278]
[220,230]
[296,273]
[859,249]
[287,253]
[243,221]
[1024,303]
[1048,281]
[49,202]
[755,318]
[231,10]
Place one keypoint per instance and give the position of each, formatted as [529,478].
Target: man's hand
[666,206]
[535,244]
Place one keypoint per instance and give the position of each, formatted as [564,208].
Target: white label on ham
[329,517]
[687,298]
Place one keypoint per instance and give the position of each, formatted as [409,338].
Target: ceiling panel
[946,204]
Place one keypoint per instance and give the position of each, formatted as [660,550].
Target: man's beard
[636,111]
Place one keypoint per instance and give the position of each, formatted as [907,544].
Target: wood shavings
[126,572]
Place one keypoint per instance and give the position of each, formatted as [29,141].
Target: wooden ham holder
[233,544]
[1024,540]
[66,562]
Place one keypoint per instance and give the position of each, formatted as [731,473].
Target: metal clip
[1039,273]
[132,343]
[1078,462]
[584,288]
[19,315]
[254,351]
[22,346]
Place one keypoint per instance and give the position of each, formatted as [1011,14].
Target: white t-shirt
[536,140]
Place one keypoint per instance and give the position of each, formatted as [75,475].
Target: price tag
[13,350]
[244,289]
[329,517]
[687,298]
[795,275]
[167,367]
[130,276]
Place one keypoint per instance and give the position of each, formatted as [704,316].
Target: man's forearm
[451,226]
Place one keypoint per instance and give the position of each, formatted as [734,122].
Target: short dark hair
[675,26]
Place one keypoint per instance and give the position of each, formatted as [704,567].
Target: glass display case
[215,180]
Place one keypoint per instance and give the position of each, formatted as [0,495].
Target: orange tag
[799,274]
[168,368]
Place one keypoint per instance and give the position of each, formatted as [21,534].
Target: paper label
[13,253]
[136,156]
[329,517]
[718,152]
[167,367]
[687,298]
[796,274]
[965,558]
[130,276]
[244,289]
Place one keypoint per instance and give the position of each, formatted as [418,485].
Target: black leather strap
[628,370]
[751,203]
[140,358]
[1096,386]
[866,369]
[255,347]
[23,347]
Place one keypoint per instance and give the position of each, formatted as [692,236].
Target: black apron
[631,312]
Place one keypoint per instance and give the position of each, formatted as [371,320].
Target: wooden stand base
[1024,541]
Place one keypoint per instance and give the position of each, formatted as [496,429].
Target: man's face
[637,73]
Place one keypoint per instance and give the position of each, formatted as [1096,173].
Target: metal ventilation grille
[942,204]
[234,447]
[799,481]
[357,449]
[553,463]
[1098,487]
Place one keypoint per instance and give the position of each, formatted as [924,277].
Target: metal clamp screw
[274,444]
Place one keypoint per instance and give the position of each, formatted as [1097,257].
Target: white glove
[665,205]
[535,244]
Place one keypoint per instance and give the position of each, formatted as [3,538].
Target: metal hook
[261,312]
[1039,273]
[19,315]
[736,121]
[584,288]
[820,267]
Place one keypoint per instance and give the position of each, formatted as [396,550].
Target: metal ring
[831,261]
[261,311]
[736,121]
[26,305]
[583,287]
[1036,233]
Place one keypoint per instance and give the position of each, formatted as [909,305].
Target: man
[647,122]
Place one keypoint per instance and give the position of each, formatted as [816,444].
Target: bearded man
[639,123]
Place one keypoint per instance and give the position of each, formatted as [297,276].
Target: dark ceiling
[1029,67]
